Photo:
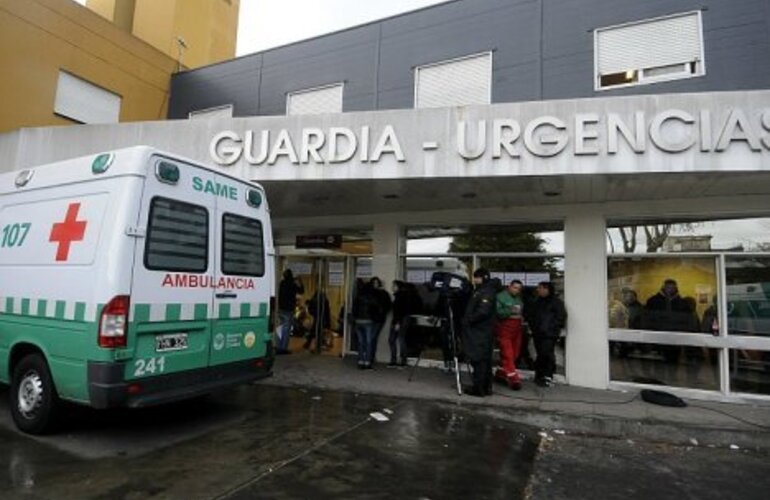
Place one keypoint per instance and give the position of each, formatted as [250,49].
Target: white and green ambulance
[130,278]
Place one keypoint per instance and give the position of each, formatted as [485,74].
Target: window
[689,304]
[319,100]
[650,51]
[84,102]
[215,112]
[458,82]
[177,237]
[242,246]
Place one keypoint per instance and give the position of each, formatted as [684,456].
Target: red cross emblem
[68,231]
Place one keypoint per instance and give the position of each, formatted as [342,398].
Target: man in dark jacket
[667,311]
[366,309]
[406,302]
[288,291]
[547,320]
[478,333]
[385,305]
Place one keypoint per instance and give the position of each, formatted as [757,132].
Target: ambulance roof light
[24,177]
[253,198]
[167,173]
[102,162]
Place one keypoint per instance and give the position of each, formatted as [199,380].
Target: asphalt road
[280,443]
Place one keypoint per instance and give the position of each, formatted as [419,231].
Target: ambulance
[128,279]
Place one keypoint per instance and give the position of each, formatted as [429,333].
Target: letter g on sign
[226,148]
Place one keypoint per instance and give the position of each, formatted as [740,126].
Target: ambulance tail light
[113,324]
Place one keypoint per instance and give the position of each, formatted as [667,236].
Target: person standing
[365,310]
[478,333]
[510,309]
[319,309]
[381,313]
[406,302]
[667,311]
[547,320]
[288,291]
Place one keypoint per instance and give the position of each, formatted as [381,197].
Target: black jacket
[479,322]
[663,313]
[406,302]
[548,316]
[367,305]
[385,304]
[287,294]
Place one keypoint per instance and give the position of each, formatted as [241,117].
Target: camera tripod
[453,347]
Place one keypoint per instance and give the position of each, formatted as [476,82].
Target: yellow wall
[40,37]
[208,27]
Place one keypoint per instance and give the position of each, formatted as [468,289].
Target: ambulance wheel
[33,398]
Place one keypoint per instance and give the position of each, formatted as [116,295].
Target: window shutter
[85,102]
[211,113]
[459,82]
[315,101]
[650,44]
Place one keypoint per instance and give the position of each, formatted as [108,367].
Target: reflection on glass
[677,366]
[750,371]
[420,269]
[748,295]
[736,235]
[666,294]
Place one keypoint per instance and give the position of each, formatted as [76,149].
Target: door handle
[227,295]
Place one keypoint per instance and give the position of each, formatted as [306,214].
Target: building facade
[633,138]
[63,65]
[195,32]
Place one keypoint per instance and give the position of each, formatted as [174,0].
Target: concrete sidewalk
[559,408]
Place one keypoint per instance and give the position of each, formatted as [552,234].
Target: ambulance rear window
[177,237]
[242,246]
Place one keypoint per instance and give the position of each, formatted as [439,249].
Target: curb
[588,425]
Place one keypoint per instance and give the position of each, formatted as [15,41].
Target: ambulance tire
[35,406]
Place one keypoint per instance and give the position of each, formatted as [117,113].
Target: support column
[388,241]
[585,294]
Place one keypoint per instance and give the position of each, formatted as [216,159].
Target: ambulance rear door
[243,276]
[172,294]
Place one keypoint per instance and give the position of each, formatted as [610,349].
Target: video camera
[449,284]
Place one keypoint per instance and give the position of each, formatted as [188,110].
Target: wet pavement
[574,467]
[266,442]
[263,441]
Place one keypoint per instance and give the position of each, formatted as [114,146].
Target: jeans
[285,317]
[375,339]
[365,335]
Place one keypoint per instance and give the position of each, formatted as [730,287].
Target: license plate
[172,342]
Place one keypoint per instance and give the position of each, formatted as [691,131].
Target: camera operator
[478,332]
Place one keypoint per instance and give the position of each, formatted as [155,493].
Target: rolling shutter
[84,102]
[209,113]
[458,82]
[315,101]
[650,44]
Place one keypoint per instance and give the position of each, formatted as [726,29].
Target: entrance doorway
[318,323]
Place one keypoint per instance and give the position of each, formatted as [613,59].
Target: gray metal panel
[735,38]
[348,56]
[376,60]
[508,27]
[233,82]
